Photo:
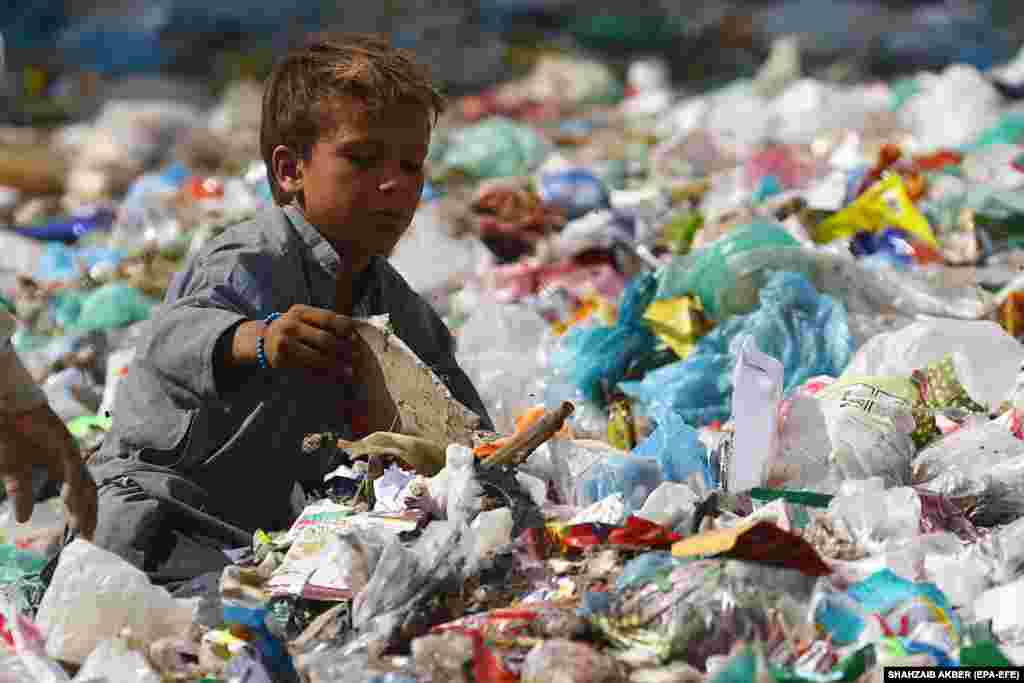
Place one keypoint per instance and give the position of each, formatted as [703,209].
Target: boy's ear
[287,169]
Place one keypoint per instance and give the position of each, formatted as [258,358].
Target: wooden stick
[521,445]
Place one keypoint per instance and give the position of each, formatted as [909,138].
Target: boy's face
[364,176]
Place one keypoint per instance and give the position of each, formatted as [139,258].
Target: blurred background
[65,57]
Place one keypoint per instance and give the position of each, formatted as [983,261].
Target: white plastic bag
[115,662]
[986,358]
[94,594]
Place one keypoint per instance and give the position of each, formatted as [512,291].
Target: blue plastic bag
[635,478]
[808,332]
[677,447]
[593,357]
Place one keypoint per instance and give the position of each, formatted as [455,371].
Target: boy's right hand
[308,338]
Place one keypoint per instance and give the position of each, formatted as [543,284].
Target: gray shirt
[239,437]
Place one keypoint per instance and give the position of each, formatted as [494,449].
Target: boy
[254,348]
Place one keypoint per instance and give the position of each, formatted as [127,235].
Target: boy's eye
[412,166]
[360,161]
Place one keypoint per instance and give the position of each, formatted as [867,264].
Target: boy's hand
[39,437]
[308,338]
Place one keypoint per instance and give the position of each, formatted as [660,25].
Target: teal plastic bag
[706,272]
[111,306]
[593,358]
[495,148]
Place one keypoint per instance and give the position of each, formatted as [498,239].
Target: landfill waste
[751,346]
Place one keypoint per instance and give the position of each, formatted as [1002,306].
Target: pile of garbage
[753,356]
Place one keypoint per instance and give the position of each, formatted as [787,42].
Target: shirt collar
[327,256]
[323,251]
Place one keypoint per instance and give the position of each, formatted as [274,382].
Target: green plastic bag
[495,148]
[706,273]
[111,306]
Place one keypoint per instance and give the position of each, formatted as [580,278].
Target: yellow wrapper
[885,204]
[621,427]
[678,322]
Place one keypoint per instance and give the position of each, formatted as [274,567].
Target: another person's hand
[39,437]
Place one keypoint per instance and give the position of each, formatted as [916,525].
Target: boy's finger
[300,355]
[339,325]
[18,485]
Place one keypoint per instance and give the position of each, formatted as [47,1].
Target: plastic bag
[596,358]
[112,305]
[88,577]
[698,609]
[706,273]
[495,148]
[404,572]
[987,375]
[464,491]
[499,347]
[869,422]
[671,505]
[982,468]
[972,105]
[429,258]
[878,300]
[115,662]
[677,447]
[853,616]
[806,331]
[877,517]
[633,477]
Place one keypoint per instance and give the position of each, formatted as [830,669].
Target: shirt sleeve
[216,294]
[18,391]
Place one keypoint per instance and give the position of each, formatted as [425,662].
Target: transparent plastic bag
[464,491]
[965,456]
[633,477]
[881,292]
[877,518]
[500,348]
[96,587]
[699,609]
[429,258]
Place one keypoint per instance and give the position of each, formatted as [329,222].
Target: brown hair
[300,90]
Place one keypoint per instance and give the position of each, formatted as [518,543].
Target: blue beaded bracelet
[261,350]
